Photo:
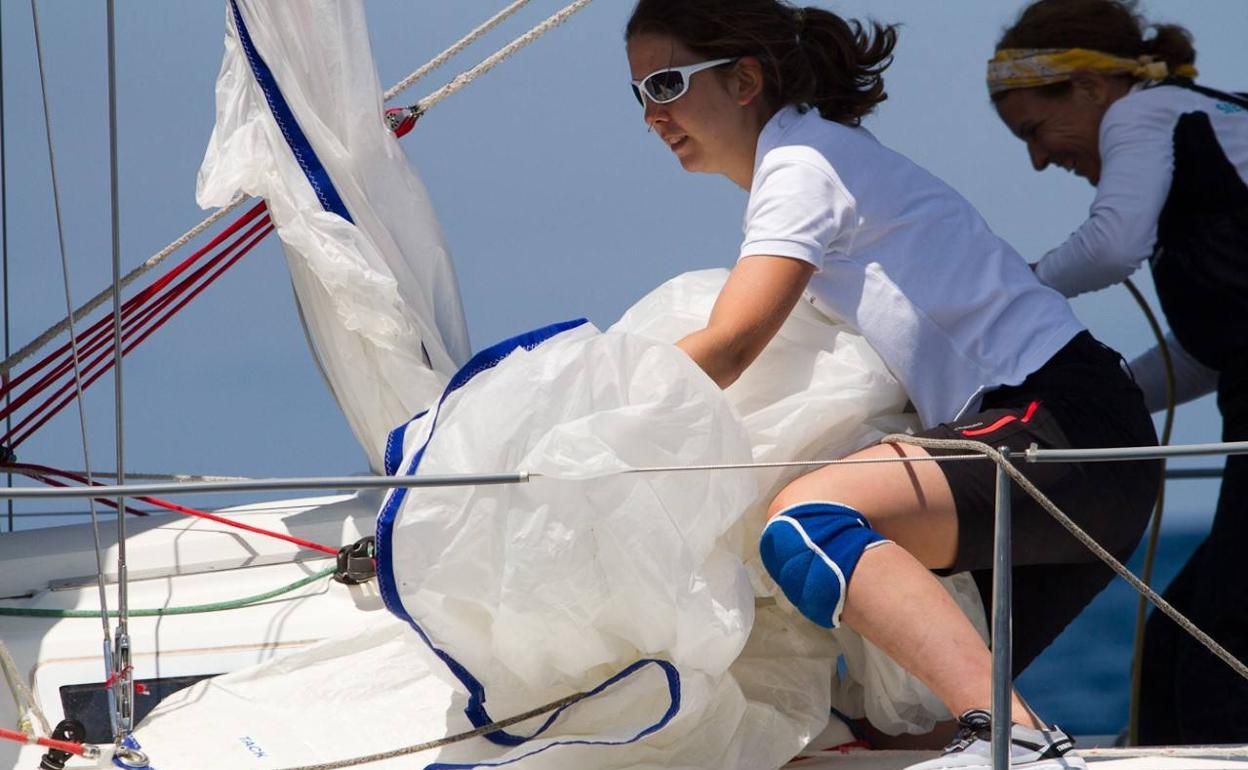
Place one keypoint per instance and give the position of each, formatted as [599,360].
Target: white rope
[27,707]
[975,446]
[492,61]
[446,55]
[52,332]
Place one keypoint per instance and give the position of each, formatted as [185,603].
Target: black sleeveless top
[1200,264]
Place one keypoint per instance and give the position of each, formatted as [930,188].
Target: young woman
[1082,85]
[771,97]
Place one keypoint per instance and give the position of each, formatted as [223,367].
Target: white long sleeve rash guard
[1137,167]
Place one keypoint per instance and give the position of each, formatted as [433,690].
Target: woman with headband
[772,98]
[1084,87]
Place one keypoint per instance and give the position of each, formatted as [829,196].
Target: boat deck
[1176,758]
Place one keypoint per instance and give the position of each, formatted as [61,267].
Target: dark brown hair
[810,57]
[1109,26]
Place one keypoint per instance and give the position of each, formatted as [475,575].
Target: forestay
[644,588]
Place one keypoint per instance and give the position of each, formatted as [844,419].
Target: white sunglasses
[669,84]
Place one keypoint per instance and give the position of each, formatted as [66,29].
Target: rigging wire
[123,672]
[4,241]
[73,335]
[1239,667]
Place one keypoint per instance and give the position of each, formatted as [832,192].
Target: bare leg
[938,644]
[893,599]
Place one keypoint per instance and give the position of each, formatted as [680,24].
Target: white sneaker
[1048,749]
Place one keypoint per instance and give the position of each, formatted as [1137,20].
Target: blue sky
[555,201]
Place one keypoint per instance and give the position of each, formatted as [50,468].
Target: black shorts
[1082,397]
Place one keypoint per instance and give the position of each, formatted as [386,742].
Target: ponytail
[810,57]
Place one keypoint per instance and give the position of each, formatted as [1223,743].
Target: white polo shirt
[905,260]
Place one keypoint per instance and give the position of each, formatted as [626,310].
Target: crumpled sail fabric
[594,575]
[641,588]
[299,123]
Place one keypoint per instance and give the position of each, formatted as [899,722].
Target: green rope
[21,612]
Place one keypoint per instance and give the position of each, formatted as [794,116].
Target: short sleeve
[798,208]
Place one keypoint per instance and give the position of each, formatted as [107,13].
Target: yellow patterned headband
[1030,67]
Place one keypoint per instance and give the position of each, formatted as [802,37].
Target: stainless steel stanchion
[1002,614]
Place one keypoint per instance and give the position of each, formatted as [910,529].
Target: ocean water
[1082,682]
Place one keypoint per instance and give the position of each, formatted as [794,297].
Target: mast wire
[73,335]
[4,245]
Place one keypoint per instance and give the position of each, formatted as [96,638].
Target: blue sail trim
[388,583]
[673,687]
[298,142]
[394,445]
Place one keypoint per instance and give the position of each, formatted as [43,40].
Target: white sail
[299,123]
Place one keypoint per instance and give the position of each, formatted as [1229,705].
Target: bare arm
[759,295]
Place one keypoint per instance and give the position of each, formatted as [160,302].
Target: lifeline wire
[1083,537]
[73,336]
[981,450]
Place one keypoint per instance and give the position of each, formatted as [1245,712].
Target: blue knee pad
[811,550]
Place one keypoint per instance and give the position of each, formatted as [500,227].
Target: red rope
[77,749]
[113,678]
[44,473]
[141,297]
[133,331]
[99,332]
[135,313]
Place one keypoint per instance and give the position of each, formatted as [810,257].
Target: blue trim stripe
[312,167]
[394,446]
[673,686]
[388,583]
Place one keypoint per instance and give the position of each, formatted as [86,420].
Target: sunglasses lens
[663,87]
[637,93]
